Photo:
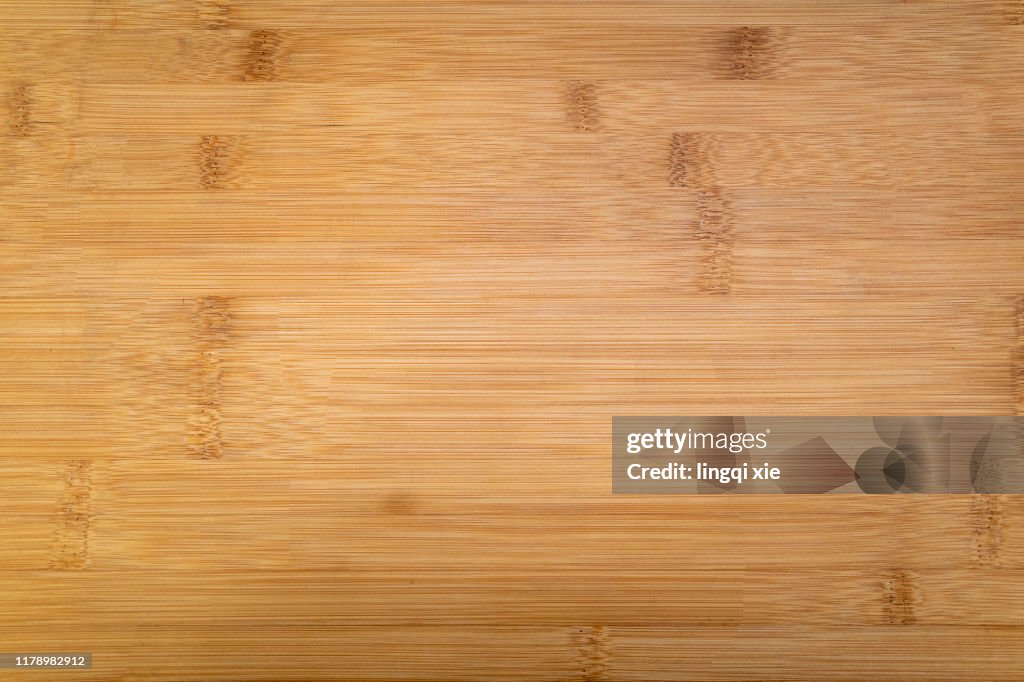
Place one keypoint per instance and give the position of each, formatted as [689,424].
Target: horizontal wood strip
[558,368]
[626,598]
[221,14]
[538,653]
[537,105]
[565,162]
[635,47]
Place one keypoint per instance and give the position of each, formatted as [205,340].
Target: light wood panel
[314,316]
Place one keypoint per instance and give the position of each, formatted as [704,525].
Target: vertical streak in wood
[214,14]
[691,166]
[691,161]
[214,157]
[592,646]
[1017,369]
[261,62]
[751,52]
[901,594]
[1017,361]
[678,160]
[584,114]
[987,528]
[71,549]
[986,515]
[19,105]
[1015,12]
[715,232]
[212,322]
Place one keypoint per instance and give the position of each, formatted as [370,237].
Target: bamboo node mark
[19,104]
[715,232]
[691,161]
[215,158]
[584,114]
[262,60]
[1015,12]
[987,528]
[212,325]
[901,595]
[752,52]
[593,652]
[1017,361]
[214,14]
[72,539]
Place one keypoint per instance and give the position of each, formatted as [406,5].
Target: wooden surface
[314,316]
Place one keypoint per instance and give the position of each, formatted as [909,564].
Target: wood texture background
[314,316]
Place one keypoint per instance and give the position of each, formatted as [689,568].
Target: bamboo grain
[313,317]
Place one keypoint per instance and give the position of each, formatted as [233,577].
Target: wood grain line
[71,547]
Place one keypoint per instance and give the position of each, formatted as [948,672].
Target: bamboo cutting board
[314,316]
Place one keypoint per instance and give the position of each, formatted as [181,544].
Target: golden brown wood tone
[314,316]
